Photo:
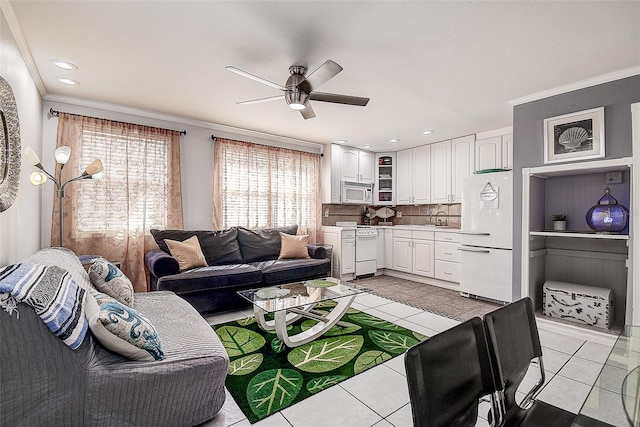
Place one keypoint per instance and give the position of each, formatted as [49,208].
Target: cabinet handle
[448,253]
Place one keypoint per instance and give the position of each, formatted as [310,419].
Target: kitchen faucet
[439,221]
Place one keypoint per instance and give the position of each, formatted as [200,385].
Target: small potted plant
[560,222]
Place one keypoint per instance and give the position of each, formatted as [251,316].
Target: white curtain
[258,186]
[140,190]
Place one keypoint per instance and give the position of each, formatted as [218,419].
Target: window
[134,197]
[261,186]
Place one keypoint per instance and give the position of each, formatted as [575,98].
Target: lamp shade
[62,154]
[93,168]
[38,178]
[31,157]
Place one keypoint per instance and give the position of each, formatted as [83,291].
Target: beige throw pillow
[188,253]
[293,246]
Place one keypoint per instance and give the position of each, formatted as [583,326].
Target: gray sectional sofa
[238,258]
[46,383]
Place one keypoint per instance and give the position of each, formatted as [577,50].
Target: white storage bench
[589,305]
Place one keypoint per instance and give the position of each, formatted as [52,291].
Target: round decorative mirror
[9,147]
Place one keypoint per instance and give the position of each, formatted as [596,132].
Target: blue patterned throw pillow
[122,329]
[108,279]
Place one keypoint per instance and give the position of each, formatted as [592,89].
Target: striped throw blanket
[54,295]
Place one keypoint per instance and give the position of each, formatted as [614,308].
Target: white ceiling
[448,66]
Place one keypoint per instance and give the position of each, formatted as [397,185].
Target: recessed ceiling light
[394,140]
[427,132]
[65,65]
[367,146]
[67,81]
[342,141]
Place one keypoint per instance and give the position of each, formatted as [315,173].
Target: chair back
[448,374]
[514,343]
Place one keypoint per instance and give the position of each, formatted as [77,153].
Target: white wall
[20,224]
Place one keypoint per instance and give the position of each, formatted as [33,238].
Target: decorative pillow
[108,278]
[294,246]
[221,247]
[218,246]
[122,329]
[187,253]
[264,244]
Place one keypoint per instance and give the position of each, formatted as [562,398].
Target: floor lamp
[62,154]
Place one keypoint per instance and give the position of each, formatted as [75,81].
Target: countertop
[445,229]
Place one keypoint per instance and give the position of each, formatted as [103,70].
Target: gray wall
[616,97]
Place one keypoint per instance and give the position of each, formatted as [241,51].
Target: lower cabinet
[413,252]
[447,256]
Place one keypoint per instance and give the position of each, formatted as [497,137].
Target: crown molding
[288,141]
[23,47]
[606,78]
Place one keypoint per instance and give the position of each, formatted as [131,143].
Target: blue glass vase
[607,216]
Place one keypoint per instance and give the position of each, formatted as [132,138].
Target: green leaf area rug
[265,376]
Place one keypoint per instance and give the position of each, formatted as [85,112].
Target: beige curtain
[140,190]
[257,186]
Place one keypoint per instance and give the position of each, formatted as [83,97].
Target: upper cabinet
[494,150]
[344,164]
[451,161]
[357,165]
[414,178]
[385,187]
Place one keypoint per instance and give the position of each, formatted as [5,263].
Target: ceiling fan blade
[338,99]
[259,100]
[252,77]
[307,112]
[323,73]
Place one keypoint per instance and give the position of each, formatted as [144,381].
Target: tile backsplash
[410,215]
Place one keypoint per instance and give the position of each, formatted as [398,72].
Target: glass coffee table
[289,302]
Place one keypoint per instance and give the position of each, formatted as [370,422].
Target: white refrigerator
[486,236]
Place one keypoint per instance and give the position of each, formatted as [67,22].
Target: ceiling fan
[300,89]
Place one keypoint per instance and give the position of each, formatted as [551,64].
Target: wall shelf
[580,235]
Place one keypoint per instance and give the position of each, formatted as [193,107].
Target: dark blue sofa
[238,258]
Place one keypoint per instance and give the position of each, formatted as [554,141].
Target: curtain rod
[56,113]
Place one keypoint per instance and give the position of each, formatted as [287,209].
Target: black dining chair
[514,343]
[448,374]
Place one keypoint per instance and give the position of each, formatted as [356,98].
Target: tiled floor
[379,397]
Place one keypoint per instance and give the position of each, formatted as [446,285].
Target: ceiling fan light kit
[299,89]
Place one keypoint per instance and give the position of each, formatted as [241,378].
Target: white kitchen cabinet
[356,165]
[494,153]
[447,256]
[413,176]
[402,252]
[451,161]
[348,243]
[462,164]
[344,250]
[388,248]
[381,253]
[413,252]
[385,186]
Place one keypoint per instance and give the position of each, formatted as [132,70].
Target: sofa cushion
[122,329]
[218,246]
[263,244]
[212,277]
[293,247]
[221,247]
[108,279]
[187,253]
[275,272]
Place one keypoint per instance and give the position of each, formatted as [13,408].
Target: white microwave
[357,192]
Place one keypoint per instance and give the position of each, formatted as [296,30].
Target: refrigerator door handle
[474,233]
[467,249]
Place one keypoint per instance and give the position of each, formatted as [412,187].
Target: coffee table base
[283,318]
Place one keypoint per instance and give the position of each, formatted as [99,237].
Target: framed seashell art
[574,136]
